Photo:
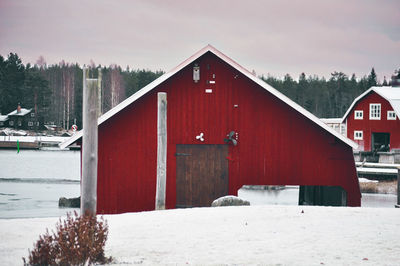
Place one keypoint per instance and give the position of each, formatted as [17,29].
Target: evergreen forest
[54,92]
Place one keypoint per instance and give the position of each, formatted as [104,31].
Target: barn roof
[230,62]
[391,94]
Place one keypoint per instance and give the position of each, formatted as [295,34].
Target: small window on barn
[30,124]
[358,135]
[358,114]
[391,115]
[375,111]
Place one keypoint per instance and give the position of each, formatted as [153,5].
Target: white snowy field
[248,235]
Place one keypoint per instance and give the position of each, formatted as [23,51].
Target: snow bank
[244,235]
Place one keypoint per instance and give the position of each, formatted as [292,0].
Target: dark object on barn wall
[278,141]
[322,196]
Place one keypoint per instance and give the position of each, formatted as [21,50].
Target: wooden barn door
[201,174]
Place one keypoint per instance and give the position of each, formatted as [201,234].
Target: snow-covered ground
[247,235]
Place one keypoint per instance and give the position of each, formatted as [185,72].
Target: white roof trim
[379,91]
[235,65]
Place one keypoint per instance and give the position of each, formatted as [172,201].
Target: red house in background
[373,119]
[210,95]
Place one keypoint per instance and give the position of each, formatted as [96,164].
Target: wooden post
[161,150]
[89,146]
[398,188]
[99,93]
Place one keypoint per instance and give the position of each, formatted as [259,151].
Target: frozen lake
[31,182]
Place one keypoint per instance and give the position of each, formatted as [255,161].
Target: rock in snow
[229,201]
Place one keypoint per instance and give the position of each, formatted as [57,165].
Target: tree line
[54,92]
[325,98]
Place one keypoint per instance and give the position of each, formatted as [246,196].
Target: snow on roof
[331,120]
[22,113]
[391,94]
[3,118]
[232,63]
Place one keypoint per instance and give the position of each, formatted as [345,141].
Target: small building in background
[3,120]
[22,118]
[372,120]
[336,124]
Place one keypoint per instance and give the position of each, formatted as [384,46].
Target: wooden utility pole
[161,150]
[89,145]
[398,188]
[99,92]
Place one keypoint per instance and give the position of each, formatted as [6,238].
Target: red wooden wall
[276,145]
[369,126]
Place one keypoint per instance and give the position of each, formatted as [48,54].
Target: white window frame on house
[391,115]
[32,114]
[30,124]
[358,135]
[358,114]
[374,111]
[11,123]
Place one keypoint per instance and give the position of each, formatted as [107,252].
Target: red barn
[209,96]
[373,119]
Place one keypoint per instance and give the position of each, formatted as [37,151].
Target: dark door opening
[380,142]
[322,196]
[201,174]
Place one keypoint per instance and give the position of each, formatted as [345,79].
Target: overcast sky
[276,37]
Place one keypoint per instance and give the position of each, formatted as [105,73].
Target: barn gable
[390,94]
[232,63]
[277,141]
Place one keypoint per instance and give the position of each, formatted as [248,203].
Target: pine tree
[372,80]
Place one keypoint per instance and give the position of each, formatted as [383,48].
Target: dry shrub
[77,240]
[382,187]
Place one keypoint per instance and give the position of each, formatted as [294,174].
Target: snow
[365,170]
[243,235]
[33,138]
[365,180]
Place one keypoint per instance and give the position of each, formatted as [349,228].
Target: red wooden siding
[276,144]
[369,126]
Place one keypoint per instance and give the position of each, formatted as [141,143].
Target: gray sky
[276,37]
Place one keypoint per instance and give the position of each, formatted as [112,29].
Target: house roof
[232,63]
[391,94]
[22,113]
[3,118]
